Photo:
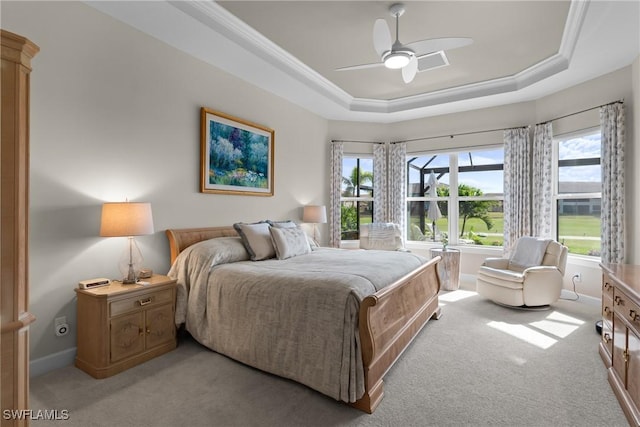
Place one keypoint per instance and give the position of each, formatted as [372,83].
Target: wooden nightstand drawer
[149,299]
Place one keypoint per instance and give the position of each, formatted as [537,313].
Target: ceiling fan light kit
[397,60]
[406,57]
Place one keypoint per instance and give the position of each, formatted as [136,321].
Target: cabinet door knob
[148,330]
[633,315]
[606,311]
[617,300]
[606,337]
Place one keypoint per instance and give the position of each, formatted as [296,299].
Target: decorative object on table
[433,212]
[236,155]
[315,214]
[127,220]
[448,268]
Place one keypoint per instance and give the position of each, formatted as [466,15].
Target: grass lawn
[581,233]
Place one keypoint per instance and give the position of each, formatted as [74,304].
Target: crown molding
[222,21]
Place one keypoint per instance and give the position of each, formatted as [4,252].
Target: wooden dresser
[620,344]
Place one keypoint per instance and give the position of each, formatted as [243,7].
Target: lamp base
[129,281]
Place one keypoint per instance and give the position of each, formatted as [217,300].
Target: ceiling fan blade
[409,71]
[424,47]
[360,67]
[381,36]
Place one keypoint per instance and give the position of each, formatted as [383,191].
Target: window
[476,206]
[577,192]
[356,196]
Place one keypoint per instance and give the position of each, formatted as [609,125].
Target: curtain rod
[620,101]
[451,135]
[503,129]
[359,142]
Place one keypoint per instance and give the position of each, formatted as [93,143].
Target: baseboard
[52,362]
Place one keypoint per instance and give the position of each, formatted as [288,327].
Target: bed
[285,317]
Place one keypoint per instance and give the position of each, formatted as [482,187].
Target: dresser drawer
[626,308]
[134,303]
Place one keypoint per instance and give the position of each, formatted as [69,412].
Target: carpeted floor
[479,365]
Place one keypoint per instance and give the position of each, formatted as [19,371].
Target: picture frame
[237,156]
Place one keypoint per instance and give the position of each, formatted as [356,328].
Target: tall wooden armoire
[14,224]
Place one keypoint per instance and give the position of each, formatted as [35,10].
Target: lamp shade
[314,214]
[126,219]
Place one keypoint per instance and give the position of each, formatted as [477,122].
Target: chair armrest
[542,269]
[541,285]
[499,263]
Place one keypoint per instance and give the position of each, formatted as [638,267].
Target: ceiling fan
[404,56]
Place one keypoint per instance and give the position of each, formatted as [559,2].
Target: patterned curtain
[379,183]
[517,186]
[612,212]
[398,183]
[542,191]
[337,149]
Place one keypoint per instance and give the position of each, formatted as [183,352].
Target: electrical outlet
[61,327]
[577,277]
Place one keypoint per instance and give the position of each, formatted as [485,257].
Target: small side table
[448,268]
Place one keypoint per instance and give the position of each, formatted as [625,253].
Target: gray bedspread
[296,318]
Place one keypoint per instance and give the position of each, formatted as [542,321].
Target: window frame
[356,199]
[454,199]
[555,176]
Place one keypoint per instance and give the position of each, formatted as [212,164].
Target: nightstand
[120,326]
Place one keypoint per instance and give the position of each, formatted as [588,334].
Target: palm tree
[357,178]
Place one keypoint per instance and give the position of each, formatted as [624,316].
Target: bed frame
[388,321]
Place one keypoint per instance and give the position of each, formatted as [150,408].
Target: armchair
[532,277]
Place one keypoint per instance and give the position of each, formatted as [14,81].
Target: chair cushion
[529,252]
[507,275]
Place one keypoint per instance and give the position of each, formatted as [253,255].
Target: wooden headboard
[182,238]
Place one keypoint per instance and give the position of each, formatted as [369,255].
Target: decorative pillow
[256,239]
[289,242]
[291,224]
[283,224]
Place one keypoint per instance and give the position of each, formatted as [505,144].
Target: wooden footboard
[389,320]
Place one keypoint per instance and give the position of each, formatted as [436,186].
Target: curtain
[335,186]
[612,213]
[542,181]
[517,186]
[379,183]
[398,184]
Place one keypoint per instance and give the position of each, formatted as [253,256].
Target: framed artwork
[236,155]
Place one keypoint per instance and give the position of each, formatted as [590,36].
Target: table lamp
[127,220]
[316,215]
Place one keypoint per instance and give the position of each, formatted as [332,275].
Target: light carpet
[479,365]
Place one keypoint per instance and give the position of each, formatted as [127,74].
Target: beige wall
[633,167]
[115,115]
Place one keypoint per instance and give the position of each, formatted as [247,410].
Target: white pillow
[289,242]
[291,224]
[256,239]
